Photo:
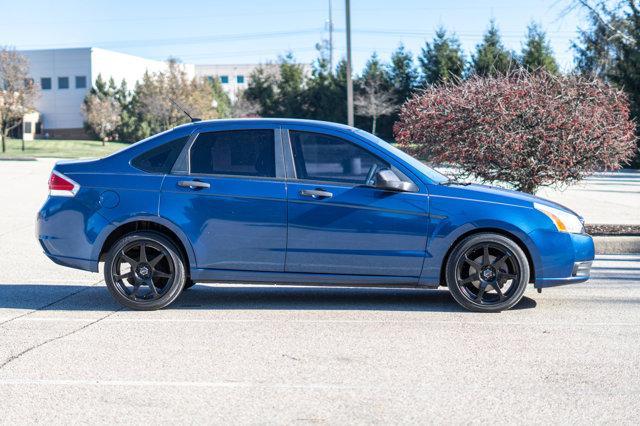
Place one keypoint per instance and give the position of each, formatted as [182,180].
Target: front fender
[454,218]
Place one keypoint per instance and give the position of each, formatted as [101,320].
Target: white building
[66,75]
[235,77]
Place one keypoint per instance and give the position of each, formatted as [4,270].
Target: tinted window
[328,158]
[240,79]
[81,82]
[238,152]
[224,79]
[63,82]
[45,83]
[161,158]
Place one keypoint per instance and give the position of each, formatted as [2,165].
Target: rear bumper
[72,262]
[565,258]
[67,231]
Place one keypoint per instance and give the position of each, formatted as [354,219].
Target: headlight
[564,221]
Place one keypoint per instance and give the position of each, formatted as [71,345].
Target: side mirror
[386,179]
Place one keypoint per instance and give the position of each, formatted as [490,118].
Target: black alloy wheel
[144,271]
[487,273]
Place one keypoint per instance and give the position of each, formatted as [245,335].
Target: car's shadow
[49,297]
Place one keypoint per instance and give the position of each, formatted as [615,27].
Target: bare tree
[603,11]
[17,91]
[103,115]
[244,108]
[156,91]
[374,101]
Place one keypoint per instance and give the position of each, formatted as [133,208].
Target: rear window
[161,158]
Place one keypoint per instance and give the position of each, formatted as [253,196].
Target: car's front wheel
[487,272]
[144,271]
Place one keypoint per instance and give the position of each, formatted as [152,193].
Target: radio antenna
[193,119]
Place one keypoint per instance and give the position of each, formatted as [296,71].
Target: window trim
[182,166]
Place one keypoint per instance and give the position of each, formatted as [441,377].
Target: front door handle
[193,184]
[316,193]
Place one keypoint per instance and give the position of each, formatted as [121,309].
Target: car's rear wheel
[144,271]
[487,273]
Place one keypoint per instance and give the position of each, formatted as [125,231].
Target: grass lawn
[59,148]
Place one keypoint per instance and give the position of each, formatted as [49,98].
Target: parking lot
[264,354]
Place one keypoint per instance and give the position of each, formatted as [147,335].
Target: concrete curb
[617,244]
[18,159]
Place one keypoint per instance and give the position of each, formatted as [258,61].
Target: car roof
[315,123]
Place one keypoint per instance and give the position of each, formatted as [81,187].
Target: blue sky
[249,31]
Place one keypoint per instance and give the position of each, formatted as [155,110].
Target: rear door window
[234,153]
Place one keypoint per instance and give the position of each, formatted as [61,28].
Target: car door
[337,225]
[230,198]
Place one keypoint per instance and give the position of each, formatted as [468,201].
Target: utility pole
[349,81]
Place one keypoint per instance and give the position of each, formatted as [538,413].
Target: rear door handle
[316,193]
[193,184]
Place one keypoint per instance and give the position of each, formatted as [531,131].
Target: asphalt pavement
[273,355]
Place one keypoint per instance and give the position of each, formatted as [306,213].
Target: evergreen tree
[324,97]
[441,60]
[491,57]
[402,74]
[261,90]
[290,88]
[278,93]
[537,53]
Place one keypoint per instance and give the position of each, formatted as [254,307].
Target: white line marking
[143,383]
[425,321]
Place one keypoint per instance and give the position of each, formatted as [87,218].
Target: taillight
[62,186]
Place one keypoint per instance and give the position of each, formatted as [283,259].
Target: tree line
[287,89]
[383,87]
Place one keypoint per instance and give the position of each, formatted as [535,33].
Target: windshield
[430,173]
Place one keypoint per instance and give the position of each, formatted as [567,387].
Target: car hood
[499,195]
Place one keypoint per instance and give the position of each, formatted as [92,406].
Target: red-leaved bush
[529,130]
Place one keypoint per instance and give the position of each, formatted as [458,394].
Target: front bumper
[564,258]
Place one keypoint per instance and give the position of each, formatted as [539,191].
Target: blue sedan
[301,203]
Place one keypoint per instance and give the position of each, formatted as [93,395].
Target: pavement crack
[50,304]
[53,339]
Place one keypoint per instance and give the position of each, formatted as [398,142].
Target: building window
[28,82]
[224,79]
[27,127]
[210,79]
[45,83]
[240,79]
[63,82]
[81,82]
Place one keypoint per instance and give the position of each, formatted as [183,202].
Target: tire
[487,272]
[144,271]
